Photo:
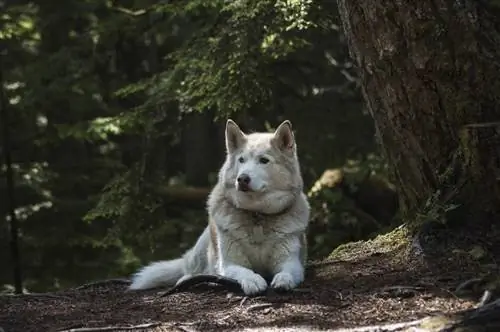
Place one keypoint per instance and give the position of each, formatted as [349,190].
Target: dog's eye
[241,159]
[263,160]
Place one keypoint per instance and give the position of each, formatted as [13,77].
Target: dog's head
[261,172]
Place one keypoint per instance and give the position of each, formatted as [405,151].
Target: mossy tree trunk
[430,75]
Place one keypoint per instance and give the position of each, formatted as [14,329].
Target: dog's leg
[233,262]
[251,282]
[289,274]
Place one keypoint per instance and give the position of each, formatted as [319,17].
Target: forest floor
[375,282]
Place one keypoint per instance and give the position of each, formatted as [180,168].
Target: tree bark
[429,73]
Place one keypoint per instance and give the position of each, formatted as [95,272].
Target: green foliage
[115,200]
[225,58]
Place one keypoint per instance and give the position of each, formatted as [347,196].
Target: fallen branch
[112,328]
[230,284]
[259,306]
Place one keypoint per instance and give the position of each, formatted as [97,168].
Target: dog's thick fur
[258,218]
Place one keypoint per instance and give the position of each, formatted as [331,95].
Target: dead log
[183,196]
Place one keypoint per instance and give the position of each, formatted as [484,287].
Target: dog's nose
[243,179]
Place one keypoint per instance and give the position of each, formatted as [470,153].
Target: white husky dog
[258,218]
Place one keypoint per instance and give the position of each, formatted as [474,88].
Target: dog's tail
[158,273]
[167,273]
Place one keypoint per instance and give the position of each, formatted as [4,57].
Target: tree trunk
[6,155]
[430,78]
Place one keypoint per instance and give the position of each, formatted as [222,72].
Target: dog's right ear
[235,138]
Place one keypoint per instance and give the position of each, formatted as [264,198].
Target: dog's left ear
[283,136]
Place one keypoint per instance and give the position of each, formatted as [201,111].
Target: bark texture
[430,73]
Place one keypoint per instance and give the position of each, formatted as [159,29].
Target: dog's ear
[283,136]
[235,138]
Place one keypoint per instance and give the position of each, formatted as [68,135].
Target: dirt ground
[367,283]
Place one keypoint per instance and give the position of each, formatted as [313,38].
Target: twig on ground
[259,306]
[385,328]
[339,294]
[119,281]
[183,328]
[223,319]
[401,288]
[112,328]
[243,300]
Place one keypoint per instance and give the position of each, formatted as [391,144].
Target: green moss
[436,323]
[383,243]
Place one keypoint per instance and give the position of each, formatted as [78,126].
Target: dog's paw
[252,284]
[283,281]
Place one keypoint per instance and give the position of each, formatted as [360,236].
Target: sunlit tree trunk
[430,77]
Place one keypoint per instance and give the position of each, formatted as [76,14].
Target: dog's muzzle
[243,182]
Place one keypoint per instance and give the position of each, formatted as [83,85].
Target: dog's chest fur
[253,229]
[258,229]
[255,240]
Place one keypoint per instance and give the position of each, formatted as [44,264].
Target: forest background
[115,125]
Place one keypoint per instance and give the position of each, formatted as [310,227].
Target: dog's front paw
[252,284]
[283,281]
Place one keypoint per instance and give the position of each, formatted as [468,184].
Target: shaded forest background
[116,117]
